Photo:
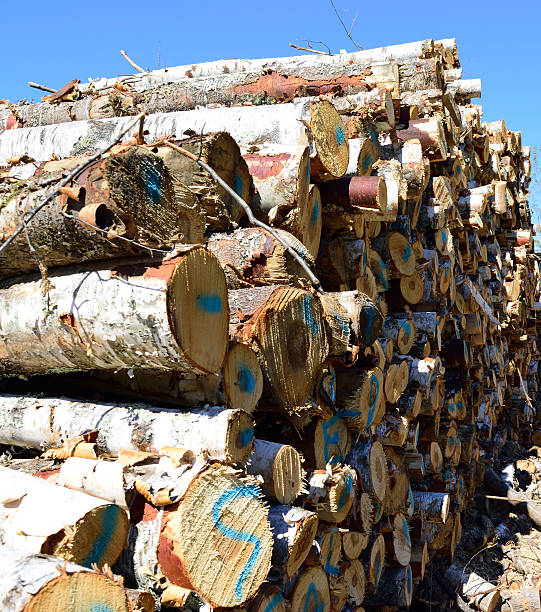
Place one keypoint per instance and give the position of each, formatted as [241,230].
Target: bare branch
[42,87]
[344,26]
[306,49]
[353,22]
[131,62]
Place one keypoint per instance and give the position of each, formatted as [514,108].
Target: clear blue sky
[54,42]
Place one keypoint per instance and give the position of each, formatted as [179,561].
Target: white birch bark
[48,422]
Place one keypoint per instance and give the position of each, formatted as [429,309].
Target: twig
[353,22]
[65,181]
[306,49]
[42,87]
[344,26]
[248,211]
[131,62]
[529,501]
[315,42]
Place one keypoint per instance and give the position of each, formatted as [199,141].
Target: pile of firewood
[285,408]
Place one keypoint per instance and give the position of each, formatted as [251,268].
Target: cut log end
[78,592]
[330,138]
[217,541]
[355,578]
[242,378]
[198,307]
[99,537]
[311,592]
[377,561]
[287,474]
[311,221]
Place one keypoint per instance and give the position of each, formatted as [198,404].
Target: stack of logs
[224,431]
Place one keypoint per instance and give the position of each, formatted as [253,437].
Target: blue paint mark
[423,469]
[452,409]
[452,442]
[444,237]
[329,567]
[311,592]
[410,580]
[406,532]
[340,135]
[412,503]
[312,324]
[341,323]
[234,534]
[333,385]
[315,213]
[379,512]
[378,569]
[374,137]
[345,493]
[100,607]
[417,437]
[459,170]
[407,328]
[109,520]
[153,185]
[210,302]
[238,184]
[365,258]
[245,379]
[246,436]
[370,318]
[367,161]
[308,172]
[274,602]
[328,439]
[374,393]
[407,253]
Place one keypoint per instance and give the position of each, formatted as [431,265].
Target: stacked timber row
[214,425]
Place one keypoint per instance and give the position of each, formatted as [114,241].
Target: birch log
[129,194]
[216,540]
[333,493]
[44,583]
[253,256]
[247,125]
[30,422]
[368,459]
[294,530]
[40,517]
[281,469]
[220,151]
[230,89]
[285,327]
[173,315]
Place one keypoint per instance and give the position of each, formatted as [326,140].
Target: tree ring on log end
[79,592]
[311,591]
[412,288]
[217,541]
[401,540]
[402,254]
[304,537]
[98,537]
[291,341]
[311,221]
[378,470]
[330,139]
[377,560]
[239,437]
[287,474]
[355,577]
[242,378]
[198,309]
